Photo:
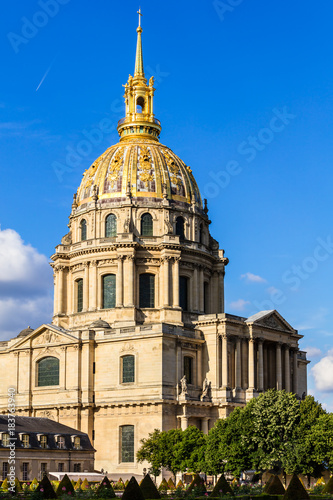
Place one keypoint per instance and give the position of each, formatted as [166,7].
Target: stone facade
[139,338]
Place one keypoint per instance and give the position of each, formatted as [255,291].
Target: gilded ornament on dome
[115,166]
[173,169]
[145,165]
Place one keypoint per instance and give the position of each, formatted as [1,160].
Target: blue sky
[244,94]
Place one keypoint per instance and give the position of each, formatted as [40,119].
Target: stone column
[120,282]
[221,292]
[225,381]
[201,290]
[86,287]
[287,368]
[295,374]
[278,367]
[60,289]
[166,282]
[251,363]
[199,365]
[184,423]
[238,370]
[93,286]
[204,424]
[261,365]
[130,277]
[175,282]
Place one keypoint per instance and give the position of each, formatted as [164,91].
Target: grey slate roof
[258,315]
[37,425]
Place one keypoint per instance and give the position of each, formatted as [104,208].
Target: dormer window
[60,440]
[76,440]
[25,439]
[42,440]
[5,439]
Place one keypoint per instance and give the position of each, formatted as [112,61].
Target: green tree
[274,416]
[320,437]
[151,452]
[300,457]
[191,450]
[226,450]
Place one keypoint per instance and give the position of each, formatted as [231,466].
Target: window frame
[181,233]
[121,441]
[143,288]
[5,439]
[4,470]
[190,375]
[128,356]
[43,441]
[76,443]
[112,225]
[83,230]
[61,443]
[115,290]
[79,294]
[144,225]
[38,364]
[25,440]
[25,471]
[185,278]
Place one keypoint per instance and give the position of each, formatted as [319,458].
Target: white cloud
[312,352]
[239,305]
[25,285]
[253,278]
[322,373]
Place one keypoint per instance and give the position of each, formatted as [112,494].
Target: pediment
[271,319]
[46,335]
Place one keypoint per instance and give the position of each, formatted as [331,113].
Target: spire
[139,58]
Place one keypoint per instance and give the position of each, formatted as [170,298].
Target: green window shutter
[127,443]
[147,291]
[128,369]
[111,226]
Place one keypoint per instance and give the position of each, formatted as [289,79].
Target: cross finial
[140,15]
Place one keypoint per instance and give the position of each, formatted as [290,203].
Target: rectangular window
[5,439]
[25,440]
[61,467]
[77,443]
[43,441]
[183,292]
[25,475]
[147,290]
[109,291]
[61,442]
[4,470]
[43,469]
[127,443]
[79,291]
[188,369]
[128,369]
[77,467]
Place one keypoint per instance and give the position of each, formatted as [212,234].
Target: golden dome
[141,168]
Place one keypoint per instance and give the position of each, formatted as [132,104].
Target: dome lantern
[139,98]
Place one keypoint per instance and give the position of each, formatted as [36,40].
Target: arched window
[83,229]
[146,225]
[127,443]
[79,295]
[109,291]
[147,290]
[183,292]
[188,369]
[140,105]
[127,369]
[110,226]
[180,228]
[48,371]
